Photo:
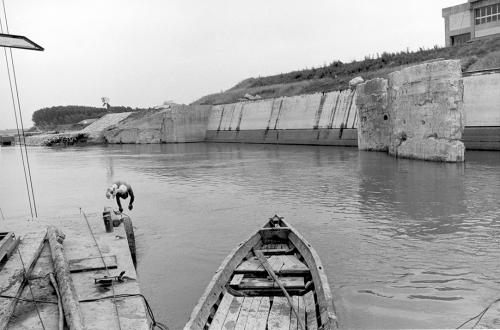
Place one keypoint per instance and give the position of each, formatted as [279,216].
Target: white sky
[141,53]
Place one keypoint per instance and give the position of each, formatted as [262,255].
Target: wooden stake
[72,312]
[270,271]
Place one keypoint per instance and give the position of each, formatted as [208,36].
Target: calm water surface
[406,244]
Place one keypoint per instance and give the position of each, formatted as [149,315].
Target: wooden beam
[71,307]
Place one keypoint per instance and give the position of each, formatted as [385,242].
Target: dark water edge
[406,244]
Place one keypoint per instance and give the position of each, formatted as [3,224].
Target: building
[472,20]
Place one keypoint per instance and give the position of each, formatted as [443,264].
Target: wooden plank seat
[261,283]
[281,264]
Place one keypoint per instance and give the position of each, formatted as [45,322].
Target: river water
[406,244]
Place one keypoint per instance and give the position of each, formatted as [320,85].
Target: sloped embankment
[172,124]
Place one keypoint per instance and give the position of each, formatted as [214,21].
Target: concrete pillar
[426,108]
[374,120]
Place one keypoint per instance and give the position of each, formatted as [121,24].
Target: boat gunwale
[324,295]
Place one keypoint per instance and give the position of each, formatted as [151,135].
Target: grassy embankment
[477,55]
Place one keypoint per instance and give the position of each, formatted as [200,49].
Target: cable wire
[479,316]
[23,136]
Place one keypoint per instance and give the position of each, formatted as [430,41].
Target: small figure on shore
[121,189]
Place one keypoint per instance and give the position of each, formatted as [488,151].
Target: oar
[270,271]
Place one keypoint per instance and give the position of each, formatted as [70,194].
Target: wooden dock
[119,306]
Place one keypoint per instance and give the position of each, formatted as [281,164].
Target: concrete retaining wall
[321,118]
[482,100]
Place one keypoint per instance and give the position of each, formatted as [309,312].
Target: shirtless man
[121,189]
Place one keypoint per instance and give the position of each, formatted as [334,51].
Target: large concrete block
[426,109]
[299,112]
[482,100]
[256,114]
[374,125]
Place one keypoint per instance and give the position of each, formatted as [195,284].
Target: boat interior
[253,299]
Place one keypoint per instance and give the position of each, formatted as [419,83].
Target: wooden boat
[273,280]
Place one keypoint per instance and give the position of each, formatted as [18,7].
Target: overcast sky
[141,53]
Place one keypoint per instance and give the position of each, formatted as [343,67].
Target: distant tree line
[72,114]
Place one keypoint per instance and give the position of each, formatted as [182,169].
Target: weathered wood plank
[254,309]
[262,314]
[245,311]
[233,313]
[310,308]
[266,283]
[12,275]
[69,298]
[94,263]
[222,311]
[294,325]
[281,264]
[237,279]
[279,316]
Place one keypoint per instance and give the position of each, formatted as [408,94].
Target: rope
[31,290]
[105,266]
[1,212]
[15,115]
[479,316]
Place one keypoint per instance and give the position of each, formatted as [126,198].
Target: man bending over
[121,189]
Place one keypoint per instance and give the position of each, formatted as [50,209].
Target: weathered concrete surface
[374,128]
[482,100]
[185,123]
[256,114]
[178,123]
[426,111]
[299,112]
[322,136]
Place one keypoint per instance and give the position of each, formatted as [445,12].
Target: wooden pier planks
[12,279]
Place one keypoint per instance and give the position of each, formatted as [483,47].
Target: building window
[487,14]
[460,39]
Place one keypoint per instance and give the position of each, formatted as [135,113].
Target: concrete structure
[7,140]
[471,20]
[482,111]
[374,127]
[318,119]
[418,112]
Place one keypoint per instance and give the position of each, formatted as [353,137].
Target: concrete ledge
[474,138]
[332,137]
